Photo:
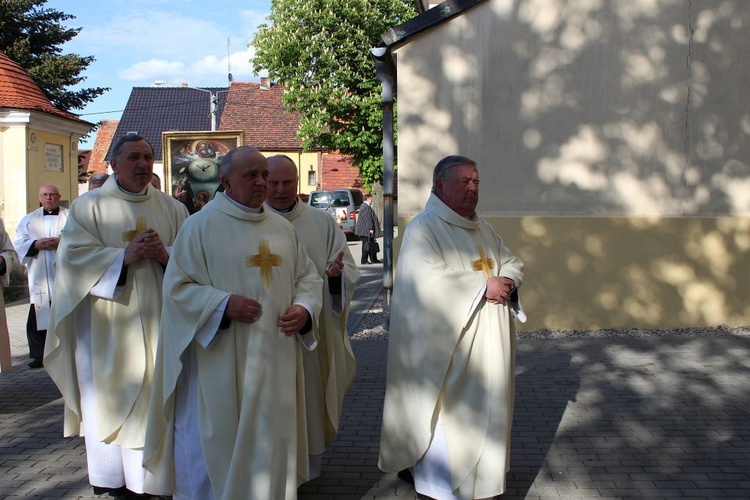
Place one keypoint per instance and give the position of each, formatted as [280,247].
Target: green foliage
[31,35]
[320,51]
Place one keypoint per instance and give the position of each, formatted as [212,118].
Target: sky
[139,42]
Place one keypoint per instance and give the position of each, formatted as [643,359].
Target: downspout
[386,73]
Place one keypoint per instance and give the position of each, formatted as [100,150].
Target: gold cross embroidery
[265,260]
[140,226]
[484,263]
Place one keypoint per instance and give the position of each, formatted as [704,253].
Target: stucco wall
[23,167]
[618,126]
[14,176]
[303,162]
[37,174]
[617,107]
[629,272]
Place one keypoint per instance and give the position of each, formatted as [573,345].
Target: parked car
[341,204]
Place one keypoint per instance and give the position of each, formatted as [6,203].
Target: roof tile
[18,90]
[257,109]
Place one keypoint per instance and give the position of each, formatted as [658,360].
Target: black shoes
[36,363]
[406,476]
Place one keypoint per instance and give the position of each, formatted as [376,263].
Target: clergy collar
[248,210]
[285,210]
[142,192]
[438,207]
[54,211]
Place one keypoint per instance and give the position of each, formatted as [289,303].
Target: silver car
[341,204]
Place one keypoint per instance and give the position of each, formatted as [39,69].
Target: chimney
[264,83]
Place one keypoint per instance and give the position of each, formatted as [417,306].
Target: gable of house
[153,110]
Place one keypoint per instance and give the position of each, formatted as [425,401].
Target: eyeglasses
[49,195]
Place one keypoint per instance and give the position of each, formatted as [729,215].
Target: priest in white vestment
[36,242]
[450,381]
[7,258]
[329,369]
[104,324]
[241,300]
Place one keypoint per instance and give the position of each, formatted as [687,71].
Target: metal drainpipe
[386,73]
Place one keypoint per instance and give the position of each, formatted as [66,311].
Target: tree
[31,35]
[320,51]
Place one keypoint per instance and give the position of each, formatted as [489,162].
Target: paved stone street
[656,416]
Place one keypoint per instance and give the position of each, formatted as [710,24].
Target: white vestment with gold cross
[331,368]
[101,341]
[248,377]
[451,354]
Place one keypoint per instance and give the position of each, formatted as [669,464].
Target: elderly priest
[241,298]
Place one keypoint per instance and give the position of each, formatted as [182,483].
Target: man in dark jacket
[368,228]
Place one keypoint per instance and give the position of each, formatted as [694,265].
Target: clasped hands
[47,243]
[146,245]
[248,310]
[499,289]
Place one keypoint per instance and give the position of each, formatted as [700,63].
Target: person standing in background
[97,180]
[36,241]
[329,369]
[368,229]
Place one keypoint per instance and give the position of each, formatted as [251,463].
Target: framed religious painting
[191,163]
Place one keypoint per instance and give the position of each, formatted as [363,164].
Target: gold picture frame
[191,163]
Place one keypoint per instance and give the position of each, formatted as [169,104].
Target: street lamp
[213,99]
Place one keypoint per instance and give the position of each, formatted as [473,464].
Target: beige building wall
[612,140]
[36,149]
[14,172]
[304,162]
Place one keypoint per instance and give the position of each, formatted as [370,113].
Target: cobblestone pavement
[641,416]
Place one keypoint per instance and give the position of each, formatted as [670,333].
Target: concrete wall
[618,126]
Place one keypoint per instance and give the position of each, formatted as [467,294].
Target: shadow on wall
[583,108]
[598,272]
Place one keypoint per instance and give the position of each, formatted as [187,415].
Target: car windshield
[321,199]
[339,199]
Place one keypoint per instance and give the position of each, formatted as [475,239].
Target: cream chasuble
[329,369]
[9,254]
[123,330]
[451,354]
[250,394]
[41,267]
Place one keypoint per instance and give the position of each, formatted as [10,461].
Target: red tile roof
[257,109]
[104,136]
[18,90]
[339,172]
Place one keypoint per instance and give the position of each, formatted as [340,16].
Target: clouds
[148,44]
[196,72]
[136,42]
